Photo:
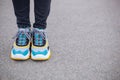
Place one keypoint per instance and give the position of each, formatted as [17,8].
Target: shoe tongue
[41,41]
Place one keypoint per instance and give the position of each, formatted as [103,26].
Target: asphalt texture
[84,37]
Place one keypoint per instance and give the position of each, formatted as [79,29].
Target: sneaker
[21,47]
[40,48]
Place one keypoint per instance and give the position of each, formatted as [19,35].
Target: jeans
[41,11]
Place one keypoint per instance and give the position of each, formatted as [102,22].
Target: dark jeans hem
[39,27]
[24,26]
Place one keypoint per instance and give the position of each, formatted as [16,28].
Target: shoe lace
[39,36]
[22,35]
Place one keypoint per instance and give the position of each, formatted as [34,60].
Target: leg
[41,9]
[21,8]
[21,46]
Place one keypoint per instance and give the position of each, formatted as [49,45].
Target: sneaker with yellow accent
[21,47]
[40,48]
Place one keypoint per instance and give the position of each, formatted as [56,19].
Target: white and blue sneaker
[21,47]
[40,48]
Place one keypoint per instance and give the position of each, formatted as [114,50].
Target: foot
[40,48]
[21,46]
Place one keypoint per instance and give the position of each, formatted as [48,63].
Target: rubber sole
[19,58]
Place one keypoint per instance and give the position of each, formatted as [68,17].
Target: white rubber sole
[41,57]
[19,56]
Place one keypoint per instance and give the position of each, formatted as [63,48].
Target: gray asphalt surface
[84,36]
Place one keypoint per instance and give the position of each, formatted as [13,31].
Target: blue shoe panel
[44,52]
[20,52]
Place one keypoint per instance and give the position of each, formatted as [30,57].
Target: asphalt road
[84,36]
